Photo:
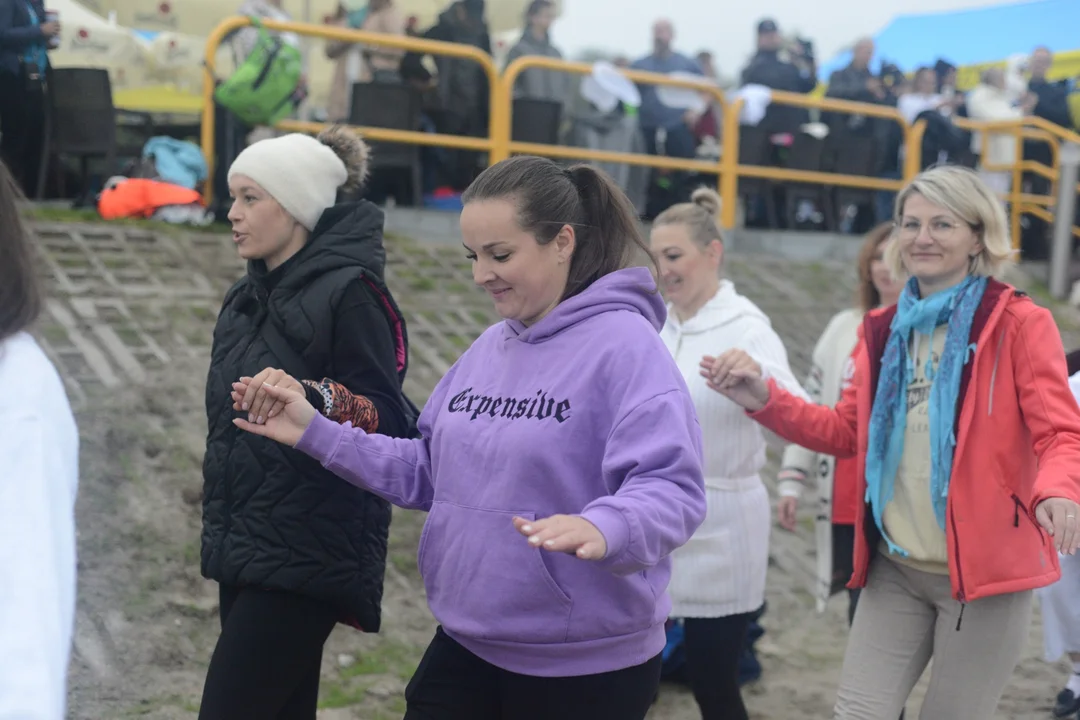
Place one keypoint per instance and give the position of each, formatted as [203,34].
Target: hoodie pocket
[485,581]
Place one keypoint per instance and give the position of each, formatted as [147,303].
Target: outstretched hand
[738,377]
[1058,517]
[254,399]
[564,533]
[286,427]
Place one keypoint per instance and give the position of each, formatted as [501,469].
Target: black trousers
[266,663]
[22,130]
[713,648]
[843,552]
[451,683]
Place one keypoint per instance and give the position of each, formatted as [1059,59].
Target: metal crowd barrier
[734,171]
[1026,128]
[327,32]
[499,144]
[508,146]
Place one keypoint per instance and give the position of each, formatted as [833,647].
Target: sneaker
[1067,703]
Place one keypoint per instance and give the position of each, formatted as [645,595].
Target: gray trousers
[904,619]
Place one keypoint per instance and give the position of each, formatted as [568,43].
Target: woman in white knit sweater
[831,371]
[718,578]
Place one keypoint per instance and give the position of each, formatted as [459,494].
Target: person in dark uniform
[25,38]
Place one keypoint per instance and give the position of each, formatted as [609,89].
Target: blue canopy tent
[972,36]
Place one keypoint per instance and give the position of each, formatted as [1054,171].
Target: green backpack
[260,91]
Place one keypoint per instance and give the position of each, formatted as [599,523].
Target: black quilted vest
[273,517]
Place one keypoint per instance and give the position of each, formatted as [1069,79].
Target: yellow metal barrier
[1016,129]
[913,150]
[326,32]
[728,169]
[729,164]
[1020,131]
[1025,128]
[506,146]
[733,170]
[500,145]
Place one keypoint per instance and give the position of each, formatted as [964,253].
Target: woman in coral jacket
[968,443]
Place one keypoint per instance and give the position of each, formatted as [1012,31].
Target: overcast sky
[726,27]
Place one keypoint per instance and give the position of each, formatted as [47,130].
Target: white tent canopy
[198,17]
[178,28]
[89,40]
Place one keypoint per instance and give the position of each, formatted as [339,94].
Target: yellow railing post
[913,151]
[1017,188]
[217,35]
[329,32]
[502,100]
[729,165]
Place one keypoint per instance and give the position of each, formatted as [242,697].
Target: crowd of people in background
[452,97]
[26,36]
[779,63]
[1020,89]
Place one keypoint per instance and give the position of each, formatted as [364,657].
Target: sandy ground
[147,621]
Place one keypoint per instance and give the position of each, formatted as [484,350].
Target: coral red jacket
[845,492]
[1018,443]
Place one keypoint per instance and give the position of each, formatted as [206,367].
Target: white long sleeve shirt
[39,448]
[721,570]
[734,444]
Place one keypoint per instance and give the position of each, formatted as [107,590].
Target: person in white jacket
[39,456]
[718,577]
[831,371]
[992,99]
[1060,609]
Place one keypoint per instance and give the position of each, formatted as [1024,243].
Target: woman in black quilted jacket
[295,550]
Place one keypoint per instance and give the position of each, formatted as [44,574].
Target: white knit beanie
[298,171]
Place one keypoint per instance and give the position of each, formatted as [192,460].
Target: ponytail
[608,235]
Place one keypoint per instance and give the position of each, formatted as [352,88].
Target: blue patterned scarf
[888,418]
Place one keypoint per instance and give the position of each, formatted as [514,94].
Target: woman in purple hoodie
[560,462]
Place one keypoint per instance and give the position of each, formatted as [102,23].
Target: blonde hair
[960,191]
[699,215]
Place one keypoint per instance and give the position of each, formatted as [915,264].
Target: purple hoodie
[583,413]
